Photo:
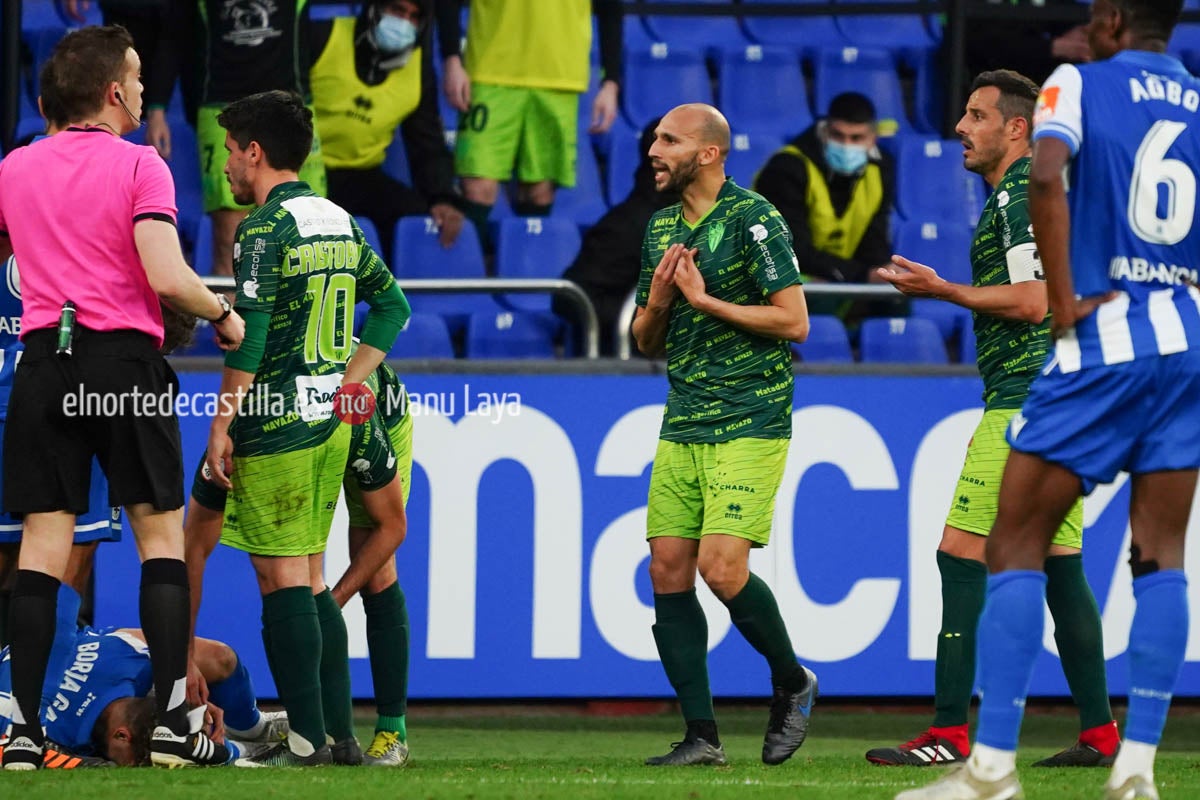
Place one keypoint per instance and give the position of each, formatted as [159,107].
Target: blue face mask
[845,158]
[394,35]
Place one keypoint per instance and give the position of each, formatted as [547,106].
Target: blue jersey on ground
[1133,125]
[95,668]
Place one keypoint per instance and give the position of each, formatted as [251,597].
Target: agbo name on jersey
[1153,87]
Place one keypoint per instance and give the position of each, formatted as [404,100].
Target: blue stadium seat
[1185,40]
[949,318]
[202,246]
[323,11]
[371,234]
[417,253]
[906,36]
[508,334]
[748,152]
[762,89]
[661,78]
[41,41]
[945,246]
[425,336]
[185,168]
[584,203]
[929,94]
[868,72]
[623,161]
[532,247]
[966,345]
[709,33]
[901,340]
[805,35]
[931,183]
[827,341]
[395,160]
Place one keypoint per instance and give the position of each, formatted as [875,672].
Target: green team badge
[716,232]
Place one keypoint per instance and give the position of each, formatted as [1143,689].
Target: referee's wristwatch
[226,309]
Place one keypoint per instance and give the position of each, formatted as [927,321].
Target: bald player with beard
[720,298]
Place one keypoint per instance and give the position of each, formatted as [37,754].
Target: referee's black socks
[31,626]
[165,608]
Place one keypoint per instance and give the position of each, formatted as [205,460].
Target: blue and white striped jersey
[1133,127]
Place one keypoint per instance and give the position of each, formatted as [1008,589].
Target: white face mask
[845,158]
[394,35]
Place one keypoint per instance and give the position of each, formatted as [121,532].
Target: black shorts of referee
[106,400]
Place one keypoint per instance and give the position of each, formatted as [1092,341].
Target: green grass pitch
[481,754]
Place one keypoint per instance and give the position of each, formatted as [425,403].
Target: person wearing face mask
[375,72]
[835,190]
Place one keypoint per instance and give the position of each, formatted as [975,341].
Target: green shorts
[210,137]
[282,504]
[705,488]
[396,446]
[533,130]
[974,506]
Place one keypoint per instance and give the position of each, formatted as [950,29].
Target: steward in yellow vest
[835,190]
[374,72]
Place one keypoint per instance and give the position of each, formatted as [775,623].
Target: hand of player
[231,332]
[214,720]
[158,133]
[604,107]
[662,284]
[197,687]
[220,457]
[688,278]
[911,278]
[1072,45]
[1062,320]
[449,221]
[75,9]
[457,84]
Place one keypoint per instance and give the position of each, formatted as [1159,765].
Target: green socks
[478,214]
[964,583]
[387,643]
[681,633]
[396,725]
[335,668]
[292,635]
[756,616]
[1080,638]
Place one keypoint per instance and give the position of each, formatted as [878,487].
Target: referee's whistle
[66,329]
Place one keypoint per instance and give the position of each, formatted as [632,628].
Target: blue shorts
[101,523]
[1140,416]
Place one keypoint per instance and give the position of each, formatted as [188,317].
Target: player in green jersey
[301,265]
[1008,298]
[376,484]
[517,85]
[720,297]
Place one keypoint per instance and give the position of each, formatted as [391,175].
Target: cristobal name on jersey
[319,256]
[1155,87]
[1141,270]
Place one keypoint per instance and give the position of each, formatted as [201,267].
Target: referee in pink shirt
[91,219]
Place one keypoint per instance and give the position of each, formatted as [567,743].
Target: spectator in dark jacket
[374,73]
[610,258]
[835,189]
